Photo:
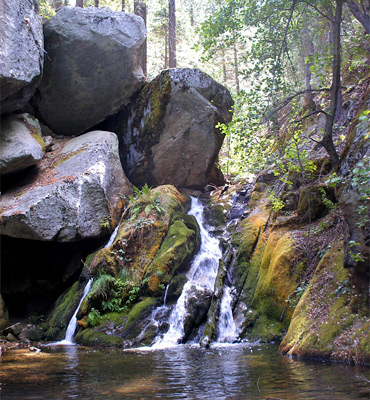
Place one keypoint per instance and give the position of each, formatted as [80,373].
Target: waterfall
[227,330]
[112,237]
[73,322]
[201,279]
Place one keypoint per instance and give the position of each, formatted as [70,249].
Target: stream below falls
[238,371]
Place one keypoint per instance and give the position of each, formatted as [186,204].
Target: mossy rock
[276,278]
[93,337]
[134,329]
[139,239]
[323,323]
[175,288]
[269,282]
[176,251]
[139,312]
[62,313]
[247,240]
[267,329]
[311,204]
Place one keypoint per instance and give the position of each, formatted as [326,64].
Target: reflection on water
[183,372]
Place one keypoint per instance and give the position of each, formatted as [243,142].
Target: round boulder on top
[92,68]
[170,134]
[76,190]
[22,52]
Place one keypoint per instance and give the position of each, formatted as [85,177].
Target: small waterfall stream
[227,330]
[68,340]
[201,279]
[73,322]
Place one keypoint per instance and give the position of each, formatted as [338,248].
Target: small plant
[94,317]
[330,205]
[106,222]
[144,200]
[294,298]
[356,257]
[276,203]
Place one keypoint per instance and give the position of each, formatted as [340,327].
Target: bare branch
[318,10]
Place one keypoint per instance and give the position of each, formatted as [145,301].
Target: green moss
[218,216]
[176,250]
[276,281]
[156,94]
[34,132]
[323,324]
[62,313]
[92,337]
[139,311]
[266,329]
[68,156]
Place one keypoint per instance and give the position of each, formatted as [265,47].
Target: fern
[101,288]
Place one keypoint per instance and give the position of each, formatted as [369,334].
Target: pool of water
[183,372]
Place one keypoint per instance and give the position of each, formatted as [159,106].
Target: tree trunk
[172,33]
[165,47]
[79,3]
[140,10]
[327,140]
[192,14]
[308,51]
[96,3]
[224,73]
[123,5]
[361,12]
[236,68]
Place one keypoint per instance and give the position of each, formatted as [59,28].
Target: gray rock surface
[78,186]
[21,143]
[170,135]
[21,52]
[15,329]
[92,68]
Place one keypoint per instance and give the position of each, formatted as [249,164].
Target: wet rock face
[170,135]
[92,68]
[21,144]
[22,52]
[73,190]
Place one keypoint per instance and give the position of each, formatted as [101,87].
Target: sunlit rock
[21,143]
[92,68]
[22,52]
[74,194]
[170,136]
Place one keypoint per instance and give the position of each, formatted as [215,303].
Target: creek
[238,371]
[169,370]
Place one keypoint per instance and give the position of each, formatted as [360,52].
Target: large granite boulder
[21,143]
[75,192]
[170,136]
[92,68]
[21,52]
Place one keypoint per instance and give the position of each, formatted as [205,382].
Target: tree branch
[318,10]
[310,115]
[293,96]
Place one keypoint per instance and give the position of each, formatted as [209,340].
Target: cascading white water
[73,322]
[201,277]
[112,237]
[227,330]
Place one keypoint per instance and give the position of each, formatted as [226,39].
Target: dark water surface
[233,372]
